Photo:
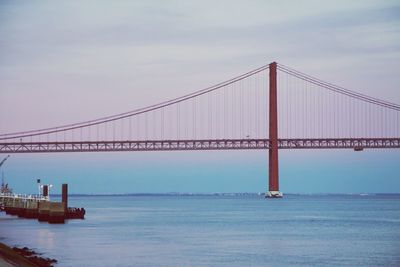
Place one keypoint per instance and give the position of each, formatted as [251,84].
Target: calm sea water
[298,230]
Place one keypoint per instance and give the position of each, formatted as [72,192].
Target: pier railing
[28,197]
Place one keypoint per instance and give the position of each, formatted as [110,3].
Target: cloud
[91,46]
[68,61]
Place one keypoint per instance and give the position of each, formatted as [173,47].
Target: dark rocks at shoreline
[33,257]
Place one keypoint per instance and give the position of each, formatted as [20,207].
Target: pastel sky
[68,61]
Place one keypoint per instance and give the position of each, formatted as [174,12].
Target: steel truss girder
[217,144]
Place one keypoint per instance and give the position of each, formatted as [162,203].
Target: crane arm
[4,160]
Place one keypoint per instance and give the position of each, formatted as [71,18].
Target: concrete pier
[20,206]
[56,212]
[43,211]
[31,211]
[40,207]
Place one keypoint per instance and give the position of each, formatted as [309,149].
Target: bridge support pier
[273,171]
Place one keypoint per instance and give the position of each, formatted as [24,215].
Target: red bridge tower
[273,190]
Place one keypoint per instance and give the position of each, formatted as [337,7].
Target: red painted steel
[180,145]
[64,197]
[45,190]
[9,143]
[273,130]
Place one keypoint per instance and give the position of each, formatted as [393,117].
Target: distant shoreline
[231,194]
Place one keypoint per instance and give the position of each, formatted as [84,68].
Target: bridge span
[219,144]
[272,107]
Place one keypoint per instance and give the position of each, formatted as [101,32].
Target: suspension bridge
[272,107]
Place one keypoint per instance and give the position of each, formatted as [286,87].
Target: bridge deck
[217,144]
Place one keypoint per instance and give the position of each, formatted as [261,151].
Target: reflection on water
[45,238]
[219,231]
